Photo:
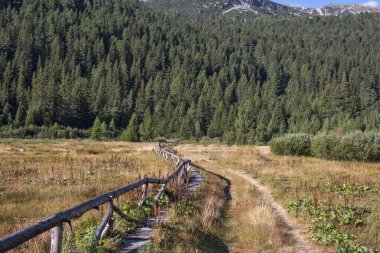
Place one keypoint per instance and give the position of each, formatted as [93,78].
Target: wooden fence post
[107,218]
[56,239]
[179,180]
[109,227]
[144,194]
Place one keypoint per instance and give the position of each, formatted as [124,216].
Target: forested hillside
[68,62]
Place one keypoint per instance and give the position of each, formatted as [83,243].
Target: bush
[36,132]
[325,146]
[292,144]
[356,146]
[205,140]
[229,138]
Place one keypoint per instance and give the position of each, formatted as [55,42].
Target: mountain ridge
[258,7]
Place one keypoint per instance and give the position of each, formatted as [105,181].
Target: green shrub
[292,144]
[229,138]
[205,140]
[355,146]
[325,146]
[36,132]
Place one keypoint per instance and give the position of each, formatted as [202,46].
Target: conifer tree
[132,131]
[277,124]
[146,128]
[187,128]
[96,130]
[75,67]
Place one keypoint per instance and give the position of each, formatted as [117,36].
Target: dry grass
[262,222]
[211,211]
[199,231]
[253,226]
[289,178]
[38,179]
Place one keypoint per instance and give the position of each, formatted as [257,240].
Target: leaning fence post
[144,195]
[179,180]
[107,218]
[56,239]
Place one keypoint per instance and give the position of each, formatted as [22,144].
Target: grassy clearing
[253,226]
[337,204]
[40,178]
[337,199]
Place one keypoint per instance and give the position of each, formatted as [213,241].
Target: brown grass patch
[49,177]
[200,231]
[290,178]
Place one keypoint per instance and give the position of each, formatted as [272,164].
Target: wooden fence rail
[55,222]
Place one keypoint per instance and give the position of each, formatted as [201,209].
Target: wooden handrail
[57,220]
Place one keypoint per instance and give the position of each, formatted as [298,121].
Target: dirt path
[243,206]
[301,244]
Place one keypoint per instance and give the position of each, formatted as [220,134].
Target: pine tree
[216,127]
[245,121]
[132,131]
[146,128]
[112,129]
[140,102]
[22,102]
[96,130]
[277,124]
[187,128]
[73,68]
[104,130]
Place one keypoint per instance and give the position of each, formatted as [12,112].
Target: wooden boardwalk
[141,236]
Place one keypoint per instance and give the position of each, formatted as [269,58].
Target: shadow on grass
[204,241]
[227,192]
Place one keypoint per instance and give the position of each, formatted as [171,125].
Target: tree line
[117,63]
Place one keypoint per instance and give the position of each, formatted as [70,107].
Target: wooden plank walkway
[141,236]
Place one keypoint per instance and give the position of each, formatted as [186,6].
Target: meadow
[41,178]
[334,204]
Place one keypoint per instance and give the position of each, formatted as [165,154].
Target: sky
[320,3]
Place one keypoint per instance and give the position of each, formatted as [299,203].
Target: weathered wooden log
[109,228]
[32,231]
[105,220]
[144,195]
[180,177]
[163,188]
[56,239]
[126,217]
[188,167]
[159,194]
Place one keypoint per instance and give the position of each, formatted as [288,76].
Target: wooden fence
[55,222]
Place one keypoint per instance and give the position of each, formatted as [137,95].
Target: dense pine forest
[71,64]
